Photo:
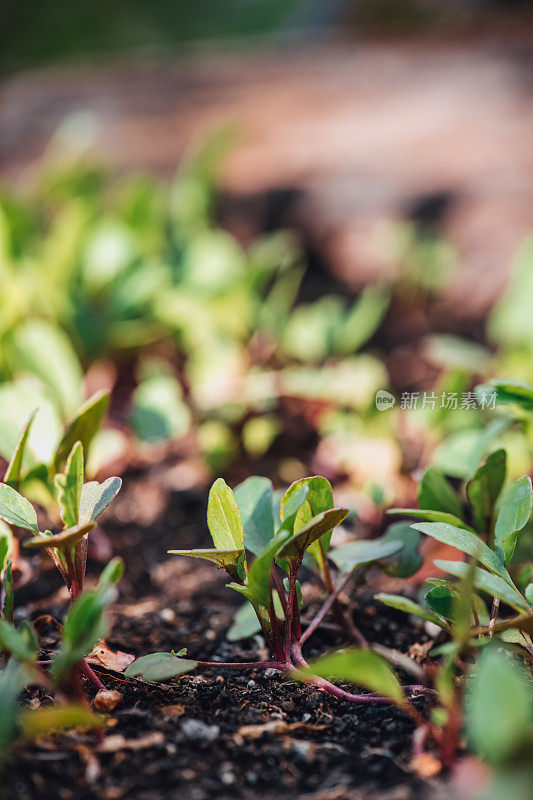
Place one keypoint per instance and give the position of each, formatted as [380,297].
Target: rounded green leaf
[159,667]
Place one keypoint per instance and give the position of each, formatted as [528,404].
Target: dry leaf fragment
[103,656]
[426,765]
[107,699]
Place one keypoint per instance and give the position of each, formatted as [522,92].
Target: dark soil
[191,737]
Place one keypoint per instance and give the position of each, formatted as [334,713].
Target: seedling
[83,627]
[79,503]
[490,534]
[279,533]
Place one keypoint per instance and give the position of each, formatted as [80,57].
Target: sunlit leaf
[16,510]
[296,546]
[95,498]
[430,516]
[69,485]
[409,607]
[46,720]
[64,540]
[228,559]
[224,518]
[467,542]
[12,474]
[82,428]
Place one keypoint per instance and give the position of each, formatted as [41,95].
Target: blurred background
[245,218]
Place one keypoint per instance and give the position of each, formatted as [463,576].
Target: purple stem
[91,675]
[315,622]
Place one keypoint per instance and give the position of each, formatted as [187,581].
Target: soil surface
[213,733]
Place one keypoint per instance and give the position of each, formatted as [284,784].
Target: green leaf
[224,517]
[409,607]
[13,472]
[46,720]
[9,594]
[430,516]
[257,588]
[64,540]
[230,560]
[16,641]
[514,512]
[112,573]
[319,499]
[159,411]
[16,510]
[484,488]
[95,498]
[295,547]
[509,391]
[83,428]
[408,560]
[46,351]
[245,624]
[359,666]
[441,600]
[69,485]
[6,540]
[467,542]
[486,582]
[159,667]
[254,497]
[499,708]
[350,556]
[362,320]
[436,493]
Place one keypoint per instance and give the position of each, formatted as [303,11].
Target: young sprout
[79,504]
[279,534]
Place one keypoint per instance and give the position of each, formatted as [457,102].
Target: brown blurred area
[334,137]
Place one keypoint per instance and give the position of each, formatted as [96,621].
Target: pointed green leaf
[486,582]
[224,517]
[359,666]
[83,428]
[159,667]
[64,540]
[484,488]
[95,498]
[46,351]
[228,559]
[16,641]
[350,556]
[69,485]
[467,542]
[437,494]
[254,497]
[430,516]
[16,510]
[295,547]
[9,594]
[319,499]
[46,720]
[13,471]
[408,606]
[514,512]
[499,706]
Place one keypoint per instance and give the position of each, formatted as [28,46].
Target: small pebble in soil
[197,731]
